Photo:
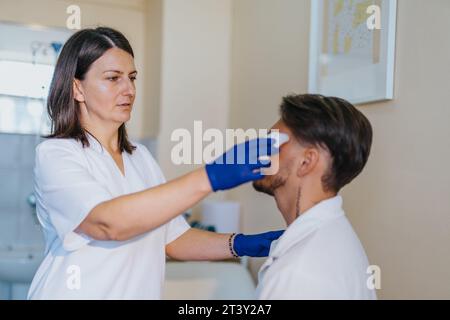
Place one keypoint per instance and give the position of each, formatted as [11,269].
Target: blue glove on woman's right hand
[240,164]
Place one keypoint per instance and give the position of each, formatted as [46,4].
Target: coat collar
[306,224]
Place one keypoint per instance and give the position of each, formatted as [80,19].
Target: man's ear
[308,161]
[78,91]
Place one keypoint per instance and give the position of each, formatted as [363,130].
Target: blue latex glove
[255,245]
[237,165]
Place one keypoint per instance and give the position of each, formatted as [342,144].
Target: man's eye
[133,78]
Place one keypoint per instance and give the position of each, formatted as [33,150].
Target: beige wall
[195,71]
[126,16]
[152,63]
[400,205]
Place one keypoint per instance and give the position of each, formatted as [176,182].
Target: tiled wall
[18,225]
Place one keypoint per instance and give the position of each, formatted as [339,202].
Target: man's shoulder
[333,243]
[339,236]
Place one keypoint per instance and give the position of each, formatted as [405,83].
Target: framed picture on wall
[352,49]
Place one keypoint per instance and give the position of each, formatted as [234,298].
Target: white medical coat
[319,256]
[69,182]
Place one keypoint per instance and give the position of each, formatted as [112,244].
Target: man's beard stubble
[269,184]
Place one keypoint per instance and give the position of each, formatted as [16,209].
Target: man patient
[319,256]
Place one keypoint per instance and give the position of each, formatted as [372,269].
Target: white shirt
[319,256]
[69,182]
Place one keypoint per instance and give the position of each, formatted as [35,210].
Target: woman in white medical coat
[108,215]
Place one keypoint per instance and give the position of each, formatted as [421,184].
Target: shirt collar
[306,224]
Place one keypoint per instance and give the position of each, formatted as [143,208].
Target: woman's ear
[308,161]
[78,91]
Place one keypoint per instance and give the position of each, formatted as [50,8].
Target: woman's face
[108,91]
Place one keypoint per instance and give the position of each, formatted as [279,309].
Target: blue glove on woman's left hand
[255,245]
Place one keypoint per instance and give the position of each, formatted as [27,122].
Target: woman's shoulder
[143,154]
[141,150]
[51,145]
[55,154]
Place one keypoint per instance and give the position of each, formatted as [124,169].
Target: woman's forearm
[127,216]
[197,244]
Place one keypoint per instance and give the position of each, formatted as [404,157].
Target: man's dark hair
[335,125]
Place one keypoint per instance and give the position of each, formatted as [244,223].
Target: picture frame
[347,58]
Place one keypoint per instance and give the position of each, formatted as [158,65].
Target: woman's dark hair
[335,125]
[80,51]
